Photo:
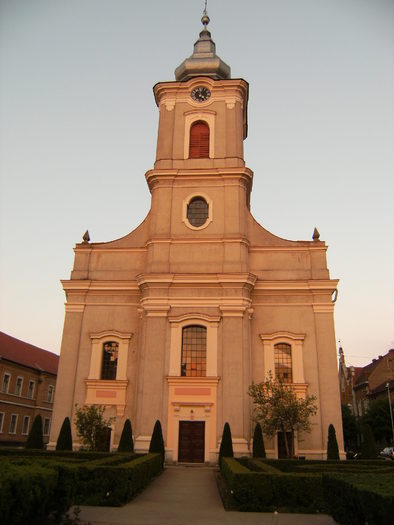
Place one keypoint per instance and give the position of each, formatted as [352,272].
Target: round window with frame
[197,211]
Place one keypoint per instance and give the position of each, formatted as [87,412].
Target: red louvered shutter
[199,141]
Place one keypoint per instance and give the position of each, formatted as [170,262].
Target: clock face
[200,94]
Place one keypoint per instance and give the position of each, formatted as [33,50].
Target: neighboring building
[176,319]
[359,385]
[28,381]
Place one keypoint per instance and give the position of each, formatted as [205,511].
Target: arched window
[283,366]
[110,360]
[194,351]
[199,141]
[197,211]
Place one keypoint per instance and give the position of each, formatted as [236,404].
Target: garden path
[188,495]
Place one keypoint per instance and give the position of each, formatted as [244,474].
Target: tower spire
[204,60]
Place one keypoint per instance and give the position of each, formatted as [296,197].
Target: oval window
[197,211]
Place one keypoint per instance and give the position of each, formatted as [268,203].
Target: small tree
[279,410]
[350,428]
[91,425]
[35,438]
[157,441]
[258,442]
[368,447]
[332,444]
[126,439]
[65,440]
[379,419]
[226,445]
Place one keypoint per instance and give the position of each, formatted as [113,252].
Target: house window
[110,360]
[25,427]
[199,141]
[18,386]
[47,426]
[194,351]
[1,421]
[197,211]
[6,383]
[283,366]
[30,390]
[51,391]
[13,422]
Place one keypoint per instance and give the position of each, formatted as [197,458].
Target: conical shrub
[258,442]
[35,438]
[65,440]
[126,439]
[226,445]
[157,441]
[332,444]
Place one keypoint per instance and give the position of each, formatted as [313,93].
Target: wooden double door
[191,446]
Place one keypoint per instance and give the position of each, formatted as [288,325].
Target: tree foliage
[350,428]
[368,447]
[226,445]
[35,438]
[64,440]
[126,439]
[332,444]
[378,418]
[157,441]
[278,409]
[91,425]
[258,442]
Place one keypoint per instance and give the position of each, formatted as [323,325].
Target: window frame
[6,384]
[47,423]
[192,117]
[16,424]
[25,433]
[30,392]
[2,418]
[284,359]
[105,366]
[19,392]
[185,204]
[51,393]
[205,126]
[192,353]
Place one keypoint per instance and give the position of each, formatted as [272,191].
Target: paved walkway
[184,495]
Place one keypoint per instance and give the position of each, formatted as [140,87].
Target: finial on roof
[205,18]
[316,235]
[86,237]
[204,60]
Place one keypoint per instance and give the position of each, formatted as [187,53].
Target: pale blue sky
[78,127]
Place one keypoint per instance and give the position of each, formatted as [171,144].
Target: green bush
[368,447]
[258,442]
[126,439]
[332,444]
[27,493]
[157,442]
[35,438]
[65,440]
[115,485]
[226,445]
[355,500]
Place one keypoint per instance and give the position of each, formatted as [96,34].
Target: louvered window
[199,141]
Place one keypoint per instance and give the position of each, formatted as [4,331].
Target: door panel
[191,441]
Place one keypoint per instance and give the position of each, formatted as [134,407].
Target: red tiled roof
[26,354]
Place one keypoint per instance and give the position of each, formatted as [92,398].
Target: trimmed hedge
[108,485]
[355,500]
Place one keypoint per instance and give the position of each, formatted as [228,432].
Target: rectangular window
[30,391]
[6,383]
[13,423]
[51,391]
[47,425]
[26,423]
[18,386]
[1,421]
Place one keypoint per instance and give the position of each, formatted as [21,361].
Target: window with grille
[110,360]
[199,141]
[194,351]
[283,366]
[197,211]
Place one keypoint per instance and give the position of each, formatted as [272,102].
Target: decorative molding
[74,308]
[323,308]
[282,335]
[111,333]
[194,316]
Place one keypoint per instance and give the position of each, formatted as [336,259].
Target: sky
[78,129]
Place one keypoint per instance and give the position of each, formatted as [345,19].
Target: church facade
[176,319]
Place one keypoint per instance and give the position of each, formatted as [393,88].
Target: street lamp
[391,410]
